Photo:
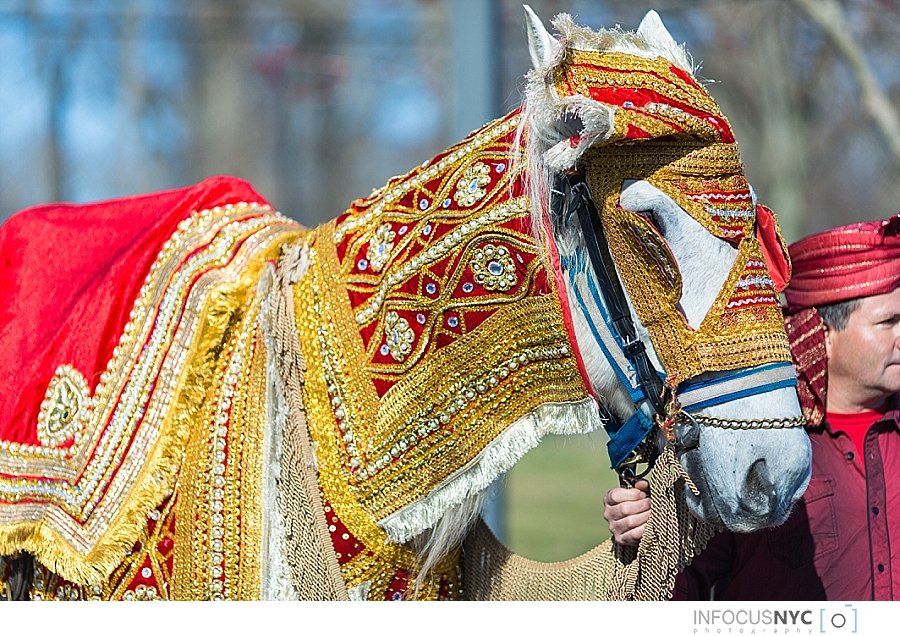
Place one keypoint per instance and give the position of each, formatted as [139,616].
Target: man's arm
[626,510]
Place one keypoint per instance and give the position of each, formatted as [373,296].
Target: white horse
[747,479]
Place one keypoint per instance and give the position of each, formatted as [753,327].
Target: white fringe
[498,457]
[651,40]
[596,126]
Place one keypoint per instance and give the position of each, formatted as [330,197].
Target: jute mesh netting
[609,572]
[672,536]
[314,569]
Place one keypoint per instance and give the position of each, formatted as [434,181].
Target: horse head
[635,169]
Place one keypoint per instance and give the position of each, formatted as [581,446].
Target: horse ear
[542,46]
[652,30]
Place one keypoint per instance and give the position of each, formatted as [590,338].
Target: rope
[672,537]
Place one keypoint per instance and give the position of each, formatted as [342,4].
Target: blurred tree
[56,42]
[317,102]
[830,16]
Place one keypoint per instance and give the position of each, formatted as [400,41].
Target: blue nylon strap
[693,384]
[780,375]
[626,437]
[636,392]
[573,265]
[737,395]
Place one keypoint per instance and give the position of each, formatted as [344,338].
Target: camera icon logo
[843,621]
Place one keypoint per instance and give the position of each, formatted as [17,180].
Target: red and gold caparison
[427,316]
[169,358]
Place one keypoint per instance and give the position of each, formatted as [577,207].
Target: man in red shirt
[843,321]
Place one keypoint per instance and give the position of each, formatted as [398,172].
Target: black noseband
[581,203]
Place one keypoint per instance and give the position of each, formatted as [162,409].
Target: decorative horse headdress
[632,110]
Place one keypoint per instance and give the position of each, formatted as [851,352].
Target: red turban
[847,262]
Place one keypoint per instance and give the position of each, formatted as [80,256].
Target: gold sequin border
[152,350]
[748,337]
[516,360]
[382,200]
[219,532]
[319,392]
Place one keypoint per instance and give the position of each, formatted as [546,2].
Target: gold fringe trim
[157,479]
[672,538]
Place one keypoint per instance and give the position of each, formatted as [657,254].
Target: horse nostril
[759,496]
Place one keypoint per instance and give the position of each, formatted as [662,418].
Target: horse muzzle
[748,479]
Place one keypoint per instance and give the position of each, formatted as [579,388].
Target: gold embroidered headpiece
[667,130]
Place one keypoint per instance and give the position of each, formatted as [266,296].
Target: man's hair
[837,315]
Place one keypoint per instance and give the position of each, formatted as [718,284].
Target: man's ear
[828,331]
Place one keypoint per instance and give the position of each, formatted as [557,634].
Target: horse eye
[650,217]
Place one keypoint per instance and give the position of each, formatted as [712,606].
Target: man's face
[864,358]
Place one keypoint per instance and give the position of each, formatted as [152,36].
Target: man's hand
[626,510]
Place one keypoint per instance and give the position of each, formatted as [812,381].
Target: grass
[554,498]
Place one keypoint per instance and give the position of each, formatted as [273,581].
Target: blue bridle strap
[588,298]
[693,395]
[625,436]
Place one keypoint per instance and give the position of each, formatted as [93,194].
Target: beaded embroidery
[379,250]
[66,409]
[667,130]
[471,188]
[116,454]
[493,268]
[414,370]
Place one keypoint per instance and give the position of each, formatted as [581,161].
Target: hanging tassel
[672,537]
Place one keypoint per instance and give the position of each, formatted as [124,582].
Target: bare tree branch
[830,17]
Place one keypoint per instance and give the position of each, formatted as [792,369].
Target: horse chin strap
[605,307]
